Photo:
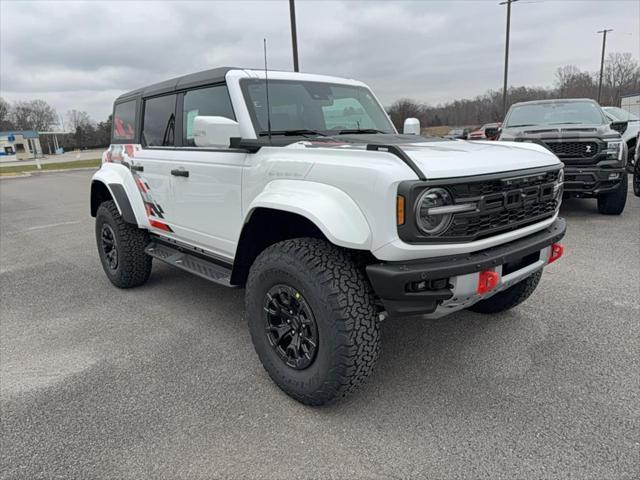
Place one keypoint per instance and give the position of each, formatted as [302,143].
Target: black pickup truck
[582,137]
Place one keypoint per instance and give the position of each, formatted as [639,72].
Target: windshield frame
[505,125]
[244,83]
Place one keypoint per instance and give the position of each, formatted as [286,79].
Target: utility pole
[604,43]
[506,57]
[294,35]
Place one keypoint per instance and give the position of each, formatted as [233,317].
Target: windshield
[619,114]
[313,108]
[555,113]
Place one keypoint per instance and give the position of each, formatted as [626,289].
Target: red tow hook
[487,281]
[557,250]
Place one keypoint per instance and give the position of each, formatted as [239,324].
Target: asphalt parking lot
[163,382]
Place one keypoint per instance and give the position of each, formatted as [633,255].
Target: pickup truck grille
[573,149]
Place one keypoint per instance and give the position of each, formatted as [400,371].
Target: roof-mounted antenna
[266,80]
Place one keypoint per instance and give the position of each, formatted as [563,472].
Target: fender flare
[118,181]
[334,212]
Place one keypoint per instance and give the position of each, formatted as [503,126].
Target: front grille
[573,149]
[503,203]
[487,224]
[476,189]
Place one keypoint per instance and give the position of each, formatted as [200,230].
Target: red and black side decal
[154,211]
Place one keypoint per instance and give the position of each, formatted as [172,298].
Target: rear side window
[158,127]
[124,122]
[210,101]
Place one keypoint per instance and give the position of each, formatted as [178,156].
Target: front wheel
[511,297]
[613,203]
[312,319]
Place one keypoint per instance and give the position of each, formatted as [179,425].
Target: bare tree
[77,118]
[403,109]
[5,115]
[621,76]
[34,115]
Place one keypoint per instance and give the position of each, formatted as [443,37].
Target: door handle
[180,172]
[137,168]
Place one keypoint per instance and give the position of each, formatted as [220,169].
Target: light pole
[604,43]
[294,35]
[506,57]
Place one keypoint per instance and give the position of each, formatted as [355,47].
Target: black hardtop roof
[205,77]
[555,100]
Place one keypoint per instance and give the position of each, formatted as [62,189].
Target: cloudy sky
[83,54]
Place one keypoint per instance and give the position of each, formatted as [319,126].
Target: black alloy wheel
[290,326]
[109,246]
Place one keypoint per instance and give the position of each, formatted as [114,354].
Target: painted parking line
[43,227]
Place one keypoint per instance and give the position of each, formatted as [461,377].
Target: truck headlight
[430,217]
[615,150]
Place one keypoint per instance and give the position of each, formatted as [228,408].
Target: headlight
[614,150]
[428,218]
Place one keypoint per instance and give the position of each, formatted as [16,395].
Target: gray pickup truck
[582,137]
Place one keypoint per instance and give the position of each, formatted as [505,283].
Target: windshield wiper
[292,133]
[565,123]
[359,130]
[522,125]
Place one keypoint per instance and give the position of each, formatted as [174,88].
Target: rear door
[154,162]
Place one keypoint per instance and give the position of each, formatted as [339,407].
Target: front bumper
[591,181]
[453,279]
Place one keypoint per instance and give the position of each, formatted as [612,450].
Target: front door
[207,199]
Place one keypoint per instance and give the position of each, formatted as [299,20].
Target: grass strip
[13,169]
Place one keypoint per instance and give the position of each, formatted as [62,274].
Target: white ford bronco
[299,189]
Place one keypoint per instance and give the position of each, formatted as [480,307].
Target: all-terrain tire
[509,298]
[613,203]
[132,266]
[341,300]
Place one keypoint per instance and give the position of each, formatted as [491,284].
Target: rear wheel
[509,298]
[636,179]
[613,203]
[121,248]
[312,319]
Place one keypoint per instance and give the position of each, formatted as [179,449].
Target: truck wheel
[312,319]
[636,179]
[613,203]
[509,298]
[121,248]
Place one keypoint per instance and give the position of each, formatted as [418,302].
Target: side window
[158,127]
[124,120]
[210,101]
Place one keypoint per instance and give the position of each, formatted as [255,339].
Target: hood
[440,158]
[462,158]
[554,132]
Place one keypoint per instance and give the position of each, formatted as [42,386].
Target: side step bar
[202,267]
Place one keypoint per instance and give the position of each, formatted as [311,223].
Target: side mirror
[214,131]
[411,126]
[491,132]
[619,127]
